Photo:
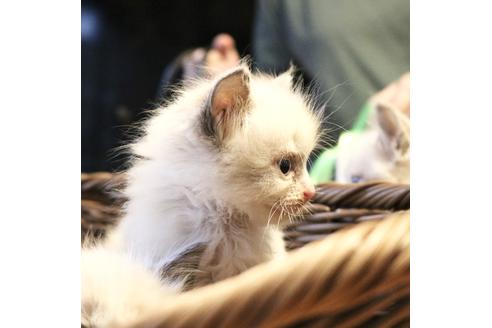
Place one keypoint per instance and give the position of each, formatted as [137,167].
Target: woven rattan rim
[373,195]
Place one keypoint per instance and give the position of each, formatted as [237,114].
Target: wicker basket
[358,277]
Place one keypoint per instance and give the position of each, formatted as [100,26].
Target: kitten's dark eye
[355,178]
[284,166]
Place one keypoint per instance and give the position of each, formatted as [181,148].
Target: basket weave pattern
[338,206]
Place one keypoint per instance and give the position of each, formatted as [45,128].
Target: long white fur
[116,291]
[184,191]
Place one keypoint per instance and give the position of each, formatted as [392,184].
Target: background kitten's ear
[228,104]
[387,120]
[394,130]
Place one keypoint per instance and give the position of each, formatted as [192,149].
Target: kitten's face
[380,153]
[265,153]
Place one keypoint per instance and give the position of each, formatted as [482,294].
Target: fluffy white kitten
[218,170]
[382,152]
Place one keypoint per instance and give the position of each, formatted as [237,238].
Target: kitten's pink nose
[308,194]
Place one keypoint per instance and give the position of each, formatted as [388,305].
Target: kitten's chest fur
[234,245]
[238,246]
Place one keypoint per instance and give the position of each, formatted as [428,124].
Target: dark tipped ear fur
[227,105]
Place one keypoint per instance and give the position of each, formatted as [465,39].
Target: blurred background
[126,46]
[349,49]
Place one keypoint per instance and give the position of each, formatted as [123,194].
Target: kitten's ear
[227,105]
[286,78]
[394,130]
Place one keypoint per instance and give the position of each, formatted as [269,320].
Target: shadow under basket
[348,263]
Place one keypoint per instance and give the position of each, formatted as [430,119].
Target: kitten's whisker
[307,208]
[270,216]
[283,211]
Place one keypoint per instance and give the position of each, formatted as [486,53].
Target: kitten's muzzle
[308,194]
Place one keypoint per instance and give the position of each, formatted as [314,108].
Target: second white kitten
[381,152]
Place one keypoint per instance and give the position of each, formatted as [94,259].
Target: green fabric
[362,119]
[324,166]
